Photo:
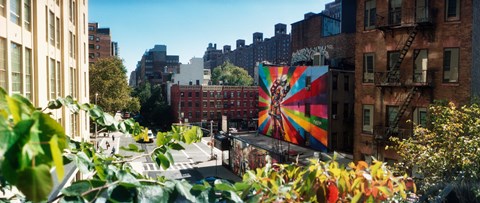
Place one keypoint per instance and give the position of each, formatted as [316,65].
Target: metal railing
[383,133]
[405,16]
[395,78]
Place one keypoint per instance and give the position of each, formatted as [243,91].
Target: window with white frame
[51,23]
[370,14]
[15,11]
[2,7]
[52,79]
[27,14]
[450,65]
[16,64]
[59,81]
[28,74]
[367,118]
[368,67]
[58,32]
[3,64]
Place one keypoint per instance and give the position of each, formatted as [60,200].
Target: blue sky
[187,26]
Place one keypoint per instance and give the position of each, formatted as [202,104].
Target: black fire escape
[400,22]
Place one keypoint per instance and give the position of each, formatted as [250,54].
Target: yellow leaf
[57,157]
[356,197]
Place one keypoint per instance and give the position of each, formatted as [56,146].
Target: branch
[135,157]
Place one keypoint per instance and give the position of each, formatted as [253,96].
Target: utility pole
[96,95]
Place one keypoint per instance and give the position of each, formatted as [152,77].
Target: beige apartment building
[43,55]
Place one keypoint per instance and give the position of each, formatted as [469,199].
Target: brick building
[100,43]
[156,66]
[319,39]
[408,54]
[201,104]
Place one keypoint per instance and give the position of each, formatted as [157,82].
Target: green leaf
[7,137]
[54,104]
[150,193]
[176,146]
[57,157]
[15,109]
[183,187]
[77,188]
[356,197]
[122,194]
[162,161]
[35,183]
[224,187]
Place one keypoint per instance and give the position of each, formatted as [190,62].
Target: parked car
[232,130]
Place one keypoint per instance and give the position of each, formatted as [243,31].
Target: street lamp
[96,95]
[212,156]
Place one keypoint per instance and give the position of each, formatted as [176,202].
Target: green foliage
[33,143]
[231,75]
[108,79]
[447,149]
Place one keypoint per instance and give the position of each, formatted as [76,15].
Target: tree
[32,143]
[447,150]
[231,75]
[153,103]
[108,85]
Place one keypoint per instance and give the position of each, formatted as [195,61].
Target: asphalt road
[192,164]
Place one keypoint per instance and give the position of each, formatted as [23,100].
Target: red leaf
[332,196]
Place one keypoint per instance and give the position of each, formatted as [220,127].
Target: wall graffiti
[248,157]
[293,104]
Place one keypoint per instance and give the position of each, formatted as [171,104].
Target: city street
[192,164]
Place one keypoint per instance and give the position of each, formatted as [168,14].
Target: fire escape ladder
[393,127]
[394,74]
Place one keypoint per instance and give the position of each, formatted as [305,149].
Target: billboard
[293,104]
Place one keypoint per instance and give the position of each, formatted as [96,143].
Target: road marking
[151,167]
[201,149]
[188,157]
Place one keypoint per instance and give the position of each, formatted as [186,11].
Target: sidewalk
[215,167]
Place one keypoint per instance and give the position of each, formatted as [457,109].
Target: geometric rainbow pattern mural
[293,104]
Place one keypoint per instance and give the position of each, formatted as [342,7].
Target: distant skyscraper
[155,66]
[100,43]
[274,50]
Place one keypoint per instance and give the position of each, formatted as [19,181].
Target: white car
[232,130]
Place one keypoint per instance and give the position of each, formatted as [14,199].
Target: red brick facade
[99,43]
[201,104]
[436,36]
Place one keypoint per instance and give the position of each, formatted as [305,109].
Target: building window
[452,10]
[52,81]
[197,114]
[212,104]
[370,14]
[73,82]
[395,12]
[91,46]
[2,7]
[58,32]
[367,122]
[334,81]
[368,67]
[334,110]
[28,74]
[204,94]
[420,66]
[16,57]
[450,64]
[27,14]
[346,83]
[345,111]
[392,112]
[189,94]
[91,28]
[197,94]
[197,104]
[420,116]
[3,64]
[51,25]
[97,47]
[204,104]
[15,12]
[59,81]
[189,104]
[70,44]
[393,72]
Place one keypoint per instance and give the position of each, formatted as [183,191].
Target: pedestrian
[113,151]
[108,144]
[113,138]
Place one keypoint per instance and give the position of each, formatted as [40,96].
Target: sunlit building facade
[43,55]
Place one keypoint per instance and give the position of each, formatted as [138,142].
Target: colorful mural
[293,104]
